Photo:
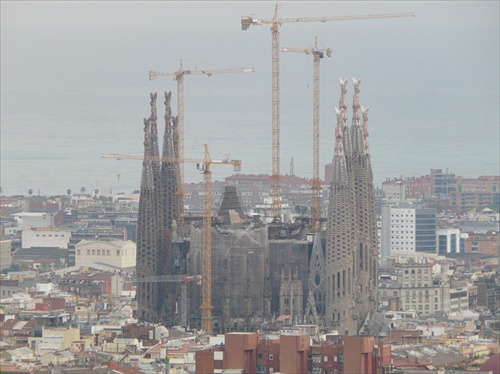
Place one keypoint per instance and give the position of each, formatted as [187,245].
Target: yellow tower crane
[179,77]
[315,182]
[203,165]
[248,21]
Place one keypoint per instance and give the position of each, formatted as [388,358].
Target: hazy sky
[211,14]
[71,68]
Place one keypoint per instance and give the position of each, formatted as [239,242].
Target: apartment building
[118,253]
[407,229]
[420,282]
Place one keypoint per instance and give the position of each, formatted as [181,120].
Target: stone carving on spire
[342,99]
[339,170]
[147,172]
[358,146]
[365,111]
[355,102]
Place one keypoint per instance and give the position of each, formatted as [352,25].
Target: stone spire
[339,167]
[170,292]
[169,169]
[147,170]
[358,144]
[147,231]
[343,109]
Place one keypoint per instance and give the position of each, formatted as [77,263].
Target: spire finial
[342,99]
[355,101]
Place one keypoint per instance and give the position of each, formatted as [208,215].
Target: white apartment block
[5,254]
[449,240]
[397,231]
[459,299]
[29,219]
[117,253]
[406,230]
[394,190]
[45,238]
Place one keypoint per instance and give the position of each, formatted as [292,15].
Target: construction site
[224,270]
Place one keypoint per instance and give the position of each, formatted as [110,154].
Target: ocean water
[69,97]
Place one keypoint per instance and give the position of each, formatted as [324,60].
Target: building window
[88,252]
[118,252]
[98,252]
[93,252]
[78,252]
[108,252]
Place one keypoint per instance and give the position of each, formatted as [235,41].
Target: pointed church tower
[169,170]
[170,292]
[339,258]
[351,249]
[147,235]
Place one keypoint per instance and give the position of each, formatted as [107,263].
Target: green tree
[30,191]
[83,190]
[68,191]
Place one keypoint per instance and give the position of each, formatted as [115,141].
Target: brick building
[483,243]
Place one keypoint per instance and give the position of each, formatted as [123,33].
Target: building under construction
[260,271]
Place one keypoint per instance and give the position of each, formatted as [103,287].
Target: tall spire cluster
[351,241]
[157,212]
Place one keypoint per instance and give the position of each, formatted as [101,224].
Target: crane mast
[246,22]
[179,77]
[276,169]
[315,182]
[206,306]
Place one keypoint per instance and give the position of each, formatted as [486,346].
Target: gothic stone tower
[147,258]
[351,243]
[157,211]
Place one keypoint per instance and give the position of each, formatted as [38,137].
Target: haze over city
[375,251]
[75,85]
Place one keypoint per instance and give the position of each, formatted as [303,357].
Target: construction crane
[183,279]
[204,166]
[246,22]
[179,77]
[315,182]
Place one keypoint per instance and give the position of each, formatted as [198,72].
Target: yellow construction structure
[316,181]
[204,166]
[275,22]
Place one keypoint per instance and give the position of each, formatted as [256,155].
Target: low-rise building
[45,237]
[483,243]
[118,253]
[5,254]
